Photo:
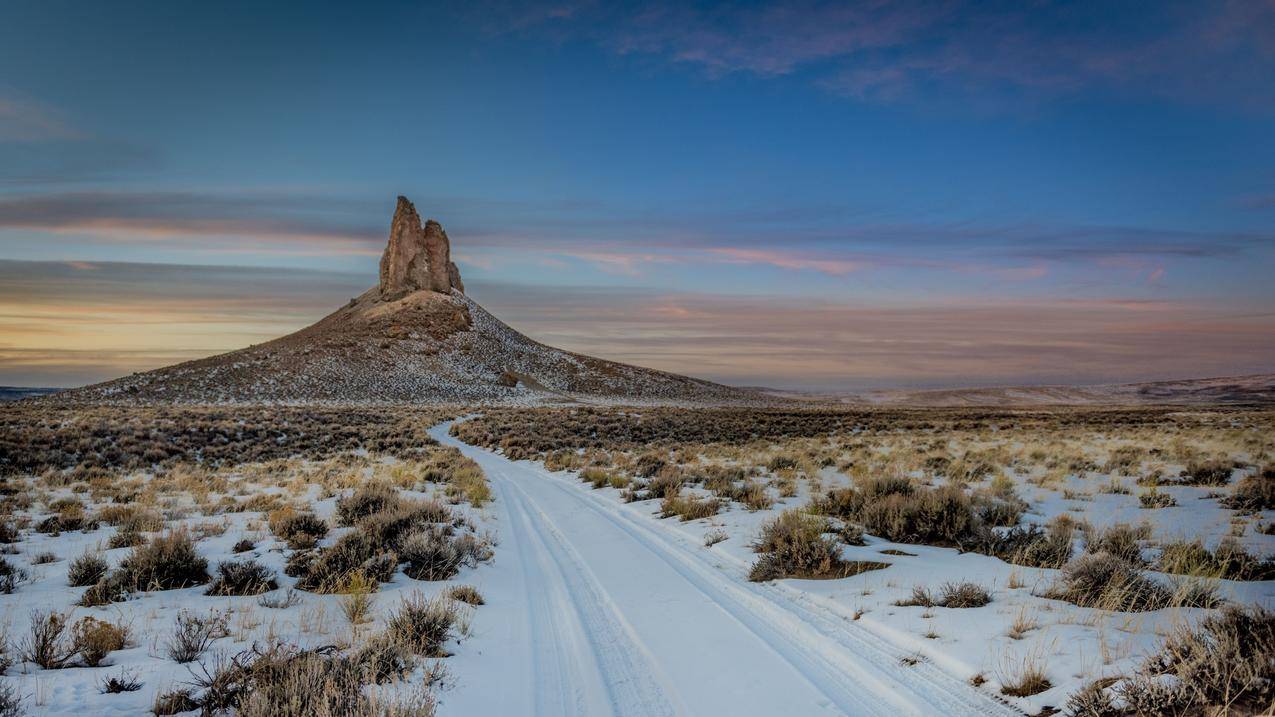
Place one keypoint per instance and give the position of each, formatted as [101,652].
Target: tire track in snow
[600,648]
[837,656]
[850,667]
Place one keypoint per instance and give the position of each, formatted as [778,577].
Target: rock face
[417,258]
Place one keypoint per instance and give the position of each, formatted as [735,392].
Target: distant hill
[1235,390]
[413,338]
[14,393]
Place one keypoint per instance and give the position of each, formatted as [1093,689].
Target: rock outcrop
[418,258]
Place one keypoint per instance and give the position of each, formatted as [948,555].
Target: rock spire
[417,258]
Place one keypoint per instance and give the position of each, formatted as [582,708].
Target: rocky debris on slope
[417,257]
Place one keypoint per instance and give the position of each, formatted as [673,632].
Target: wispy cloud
[295,223]
[888,51]
[787,260]
[28,121]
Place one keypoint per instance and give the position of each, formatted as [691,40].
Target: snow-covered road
[595,608]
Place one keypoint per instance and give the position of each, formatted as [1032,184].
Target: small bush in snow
[10,701]
[192,634]
[94,639]
[246,577]
[166,562]
[467,594]
[289,525]
[423,625]
[1223,665]
[366,500]
[10,576]
[125,681]
[687,507]
[48,643]
[1254,493]
[1217,472]
[86,570]
[797,545]
[1107,582]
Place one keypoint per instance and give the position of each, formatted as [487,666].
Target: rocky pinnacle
[417,258]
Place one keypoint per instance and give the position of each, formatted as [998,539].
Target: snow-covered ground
[599,606]
[293,617]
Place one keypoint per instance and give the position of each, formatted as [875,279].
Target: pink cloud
[786,260]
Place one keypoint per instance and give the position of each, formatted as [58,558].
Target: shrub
[10,701]
[998,512]
[468,483]
[69,517]
[1216,472]
[125,538]
[327,570]
[1228,561]
[166,562]
[125,681]
[1155,499]
[467,594]
[964,595]
[1120,540]
[95,639]
[286,681]
[48,643]
[941,516]
[1254,493]
[1107,582]
[389,528]
[595,477]
[289,525]
[192,634]
[244,546]
[86,570]
[10,576]
[356,601]
[366,500]
[687,507]
[246,577]
[843,503]
[1229,659]
[111,588]
[1223,665]
[1029,680]
[795,545]
[1031,545]
[423,626]
[431,555]
[668,482]
[173,702]
[953,595]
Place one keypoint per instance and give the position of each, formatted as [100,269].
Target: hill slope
[414,338]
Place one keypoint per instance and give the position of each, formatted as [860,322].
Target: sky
[822,196]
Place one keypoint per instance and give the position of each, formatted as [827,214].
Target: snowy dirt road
[597,609]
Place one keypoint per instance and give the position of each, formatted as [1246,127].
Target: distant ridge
[413,338]
[1258,389]
[16,393]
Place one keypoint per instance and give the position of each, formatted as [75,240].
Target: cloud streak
[891,51]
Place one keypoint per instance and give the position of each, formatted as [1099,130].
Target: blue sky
[807,195]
